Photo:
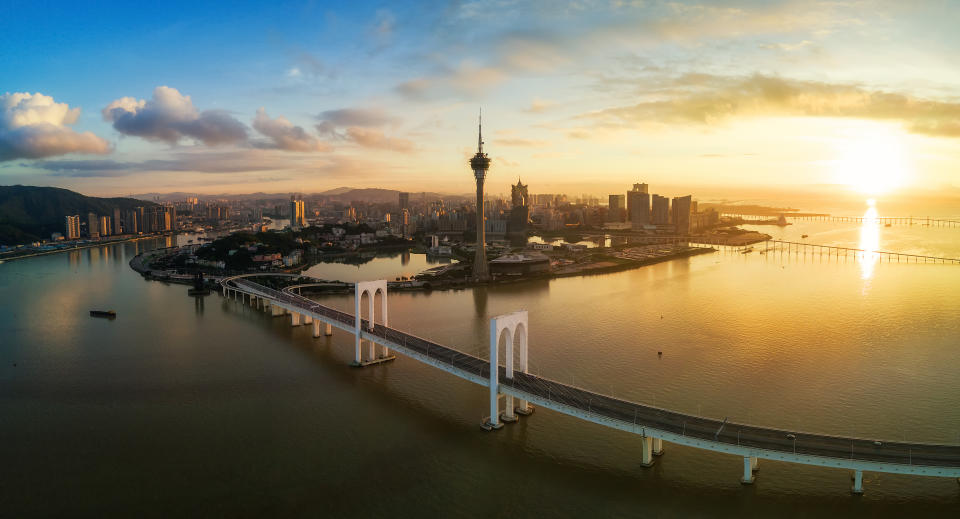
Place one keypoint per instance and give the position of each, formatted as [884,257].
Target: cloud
[362,127]
[708,99]
[374,138]
[529,143]
[170,116]
[538,106]
[786,47]
[466,80]
[358,117]
[235,161]
[34,126]
[284,135]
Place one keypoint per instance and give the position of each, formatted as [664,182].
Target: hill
[31,213]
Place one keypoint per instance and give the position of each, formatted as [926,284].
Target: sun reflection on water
[869,240]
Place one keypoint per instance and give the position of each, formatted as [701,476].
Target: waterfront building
[117,228]
[660,211]
[681,213]
[104,226]
[72,227]
[480,163]
[615,208]
[93,225]
[520,264]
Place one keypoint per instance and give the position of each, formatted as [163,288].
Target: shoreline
[86,246]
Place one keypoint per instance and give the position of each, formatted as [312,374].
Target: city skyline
[580,97]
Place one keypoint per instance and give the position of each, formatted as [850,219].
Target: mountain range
[31,213]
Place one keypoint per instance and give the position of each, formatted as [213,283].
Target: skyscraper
[480,163]
[93,225]
[661,210]
[638,206]
[104,226]
[520,212]
[73,227]
[681,213]
[298,216]
[615,207]
[404,200]
[117,229]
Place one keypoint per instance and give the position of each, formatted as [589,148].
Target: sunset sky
[578,97]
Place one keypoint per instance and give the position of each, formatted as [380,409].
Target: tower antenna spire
[480,132]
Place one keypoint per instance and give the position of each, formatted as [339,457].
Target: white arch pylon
[510,329]
[370,288]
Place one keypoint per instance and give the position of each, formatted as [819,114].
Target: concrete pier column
[372,349]
[657,446]
[508,415]
[747,478]
[754,463]
[646,451]
[316,328]
[294,319]
[276,310]
[307,319]
[857,482]
[329,331]
[357,359]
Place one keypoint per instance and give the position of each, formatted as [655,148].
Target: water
[205,406]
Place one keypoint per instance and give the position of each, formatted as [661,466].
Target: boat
[805,235]
[748,250]
[109,314]
[887,225]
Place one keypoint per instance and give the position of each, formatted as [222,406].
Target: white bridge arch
[370,289]
[510,330]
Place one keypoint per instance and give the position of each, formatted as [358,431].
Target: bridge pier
[857,482]
[329,331]
[294,319]
[646,451]
[306,319]
[316,328]
[749,467]
[657,447]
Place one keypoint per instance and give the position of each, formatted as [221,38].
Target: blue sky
[579,96]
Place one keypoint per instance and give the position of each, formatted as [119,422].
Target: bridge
[517,389]
[925,221]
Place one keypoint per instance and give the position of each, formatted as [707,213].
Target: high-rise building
[681,213]
[404,199]
[480,163]
[298,216]
[104,226]
[520,212]
[73,227]
[661,210]
[93,225]
[615,208]
[117,228]
[638,206]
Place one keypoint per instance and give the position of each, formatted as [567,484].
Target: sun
[873,162]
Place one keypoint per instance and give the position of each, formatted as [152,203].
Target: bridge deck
[633,415]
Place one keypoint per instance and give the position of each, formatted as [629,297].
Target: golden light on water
[874,162]
[869,240]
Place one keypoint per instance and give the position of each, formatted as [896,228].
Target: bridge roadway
[696,431]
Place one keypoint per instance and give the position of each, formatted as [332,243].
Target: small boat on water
[888,225]
[805,235]
[748,250]
[109,314]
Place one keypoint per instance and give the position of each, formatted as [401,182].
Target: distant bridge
[653,425]
[925,221]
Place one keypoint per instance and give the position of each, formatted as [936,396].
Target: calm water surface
[206,406]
